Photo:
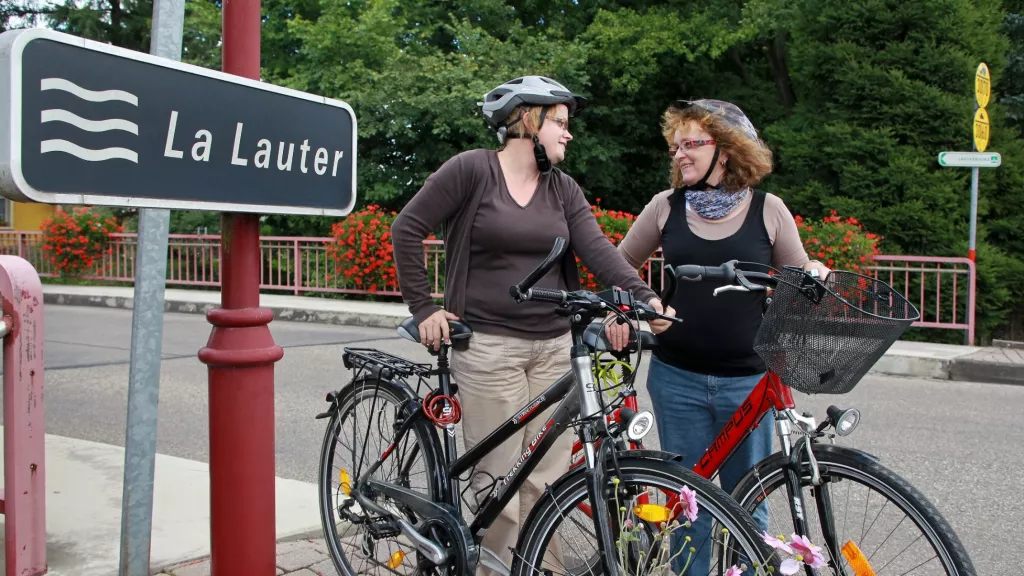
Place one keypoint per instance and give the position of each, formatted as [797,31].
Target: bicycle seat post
[448,391]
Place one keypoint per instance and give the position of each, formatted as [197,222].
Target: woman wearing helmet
[502,211]
[706,366]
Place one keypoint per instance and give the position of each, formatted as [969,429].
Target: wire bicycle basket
[821,337]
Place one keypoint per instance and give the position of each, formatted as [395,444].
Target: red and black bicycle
[821,337]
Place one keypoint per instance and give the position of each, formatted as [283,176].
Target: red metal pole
[241,354]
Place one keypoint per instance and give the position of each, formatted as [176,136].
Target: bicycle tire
[346,400]
[563,494]
[862,468]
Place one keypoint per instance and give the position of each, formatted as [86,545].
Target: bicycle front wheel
[879,520]
[558,537]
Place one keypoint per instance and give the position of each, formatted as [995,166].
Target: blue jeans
[691,409]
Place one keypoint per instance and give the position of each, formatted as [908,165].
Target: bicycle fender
[333,398]
[648,454]
[866,457]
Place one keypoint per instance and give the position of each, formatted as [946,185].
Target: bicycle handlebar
[737,278]
[557,251]
[582,299]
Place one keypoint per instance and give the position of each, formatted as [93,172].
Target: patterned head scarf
[726,111]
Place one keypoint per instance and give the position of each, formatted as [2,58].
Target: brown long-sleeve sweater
[491,243]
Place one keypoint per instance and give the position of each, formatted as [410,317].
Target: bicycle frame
[576,398]
[770,393]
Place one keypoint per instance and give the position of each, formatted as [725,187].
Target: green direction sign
[970,159]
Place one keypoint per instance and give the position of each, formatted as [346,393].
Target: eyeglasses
[690,145]
[563,123]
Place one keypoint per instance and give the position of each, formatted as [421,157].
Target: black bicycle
[392,504]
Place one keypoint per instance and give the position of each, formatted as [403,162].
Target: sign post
[982,93]
[241,354]
[978,158]
[147,343]
[87,123]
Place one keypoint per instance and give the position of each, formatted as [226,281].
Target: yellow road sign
[982,85]
[981,129]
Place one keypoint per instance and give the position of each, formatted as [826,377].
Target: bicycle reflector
[860,564]
[845,421]
[639,425]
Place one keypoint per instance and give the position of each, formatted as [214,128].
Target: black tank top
[717,334]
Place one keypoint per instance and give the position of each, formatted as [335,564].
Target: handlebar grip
[694,272]
[688,272]
[546,295]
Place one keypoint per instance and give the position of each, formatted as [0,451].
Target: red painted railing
[301,265]
[936,286]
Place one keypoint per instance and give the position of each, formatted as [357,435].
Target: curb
[988,372]
[913,366]
[341,318]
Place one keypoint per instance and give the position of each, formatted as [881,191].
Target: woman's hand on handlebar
[434,328]
[618,334]
[659,325]
[823,271]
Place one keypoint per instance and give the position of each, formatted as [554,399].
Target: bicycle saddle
[594,337]
[410,330]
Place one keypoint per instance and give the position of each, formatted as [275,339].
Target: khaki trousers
[498,376]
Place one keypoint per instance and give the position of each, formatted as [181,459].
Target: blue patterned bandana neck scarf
[716,203]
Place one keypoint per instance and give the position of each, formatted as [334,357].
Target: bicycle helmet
[500,102]
[730,114]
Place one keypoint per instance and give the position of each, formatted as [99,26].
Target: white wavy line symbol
[58,115]
[86,94]
[87,154]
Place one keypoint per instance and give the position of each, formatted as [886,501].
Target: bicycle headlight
[847,421]
[639,425]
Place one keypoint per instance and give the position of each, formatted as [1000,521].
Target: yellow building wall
[30,216]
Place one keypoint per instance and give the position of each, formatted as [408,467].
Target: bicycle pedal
[383,528]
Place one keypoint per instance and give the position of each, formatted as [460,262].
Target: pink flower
[790,567]
[733,571]
[688,500]
[811,554]
[629,524]
[776,543]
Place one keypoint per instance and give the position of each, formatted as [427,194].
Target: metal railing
[935,285]
[302,265]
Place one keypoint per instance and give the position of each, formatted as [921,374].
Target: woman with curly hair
[706,366]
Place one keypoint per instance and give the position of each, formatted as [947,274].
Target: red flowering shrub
[361,250]
[840,244]
[363,257]
[74,242]
[615,224]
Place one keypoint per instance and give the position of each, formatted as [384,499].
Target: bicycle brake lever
[730,288]
[750,286]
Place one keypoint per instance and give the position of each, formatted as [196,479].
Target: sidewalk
[295,557]
[83,510]
[1001,365]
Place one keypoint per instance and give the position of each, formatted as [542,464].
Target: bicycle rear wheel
[558,536]
[877,517]
[368,414]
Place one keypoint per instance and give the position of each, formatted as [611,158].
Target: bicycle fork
[799,454]
[604,522]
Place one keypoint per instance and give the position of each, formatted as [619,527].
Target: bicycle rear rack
[369,358]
